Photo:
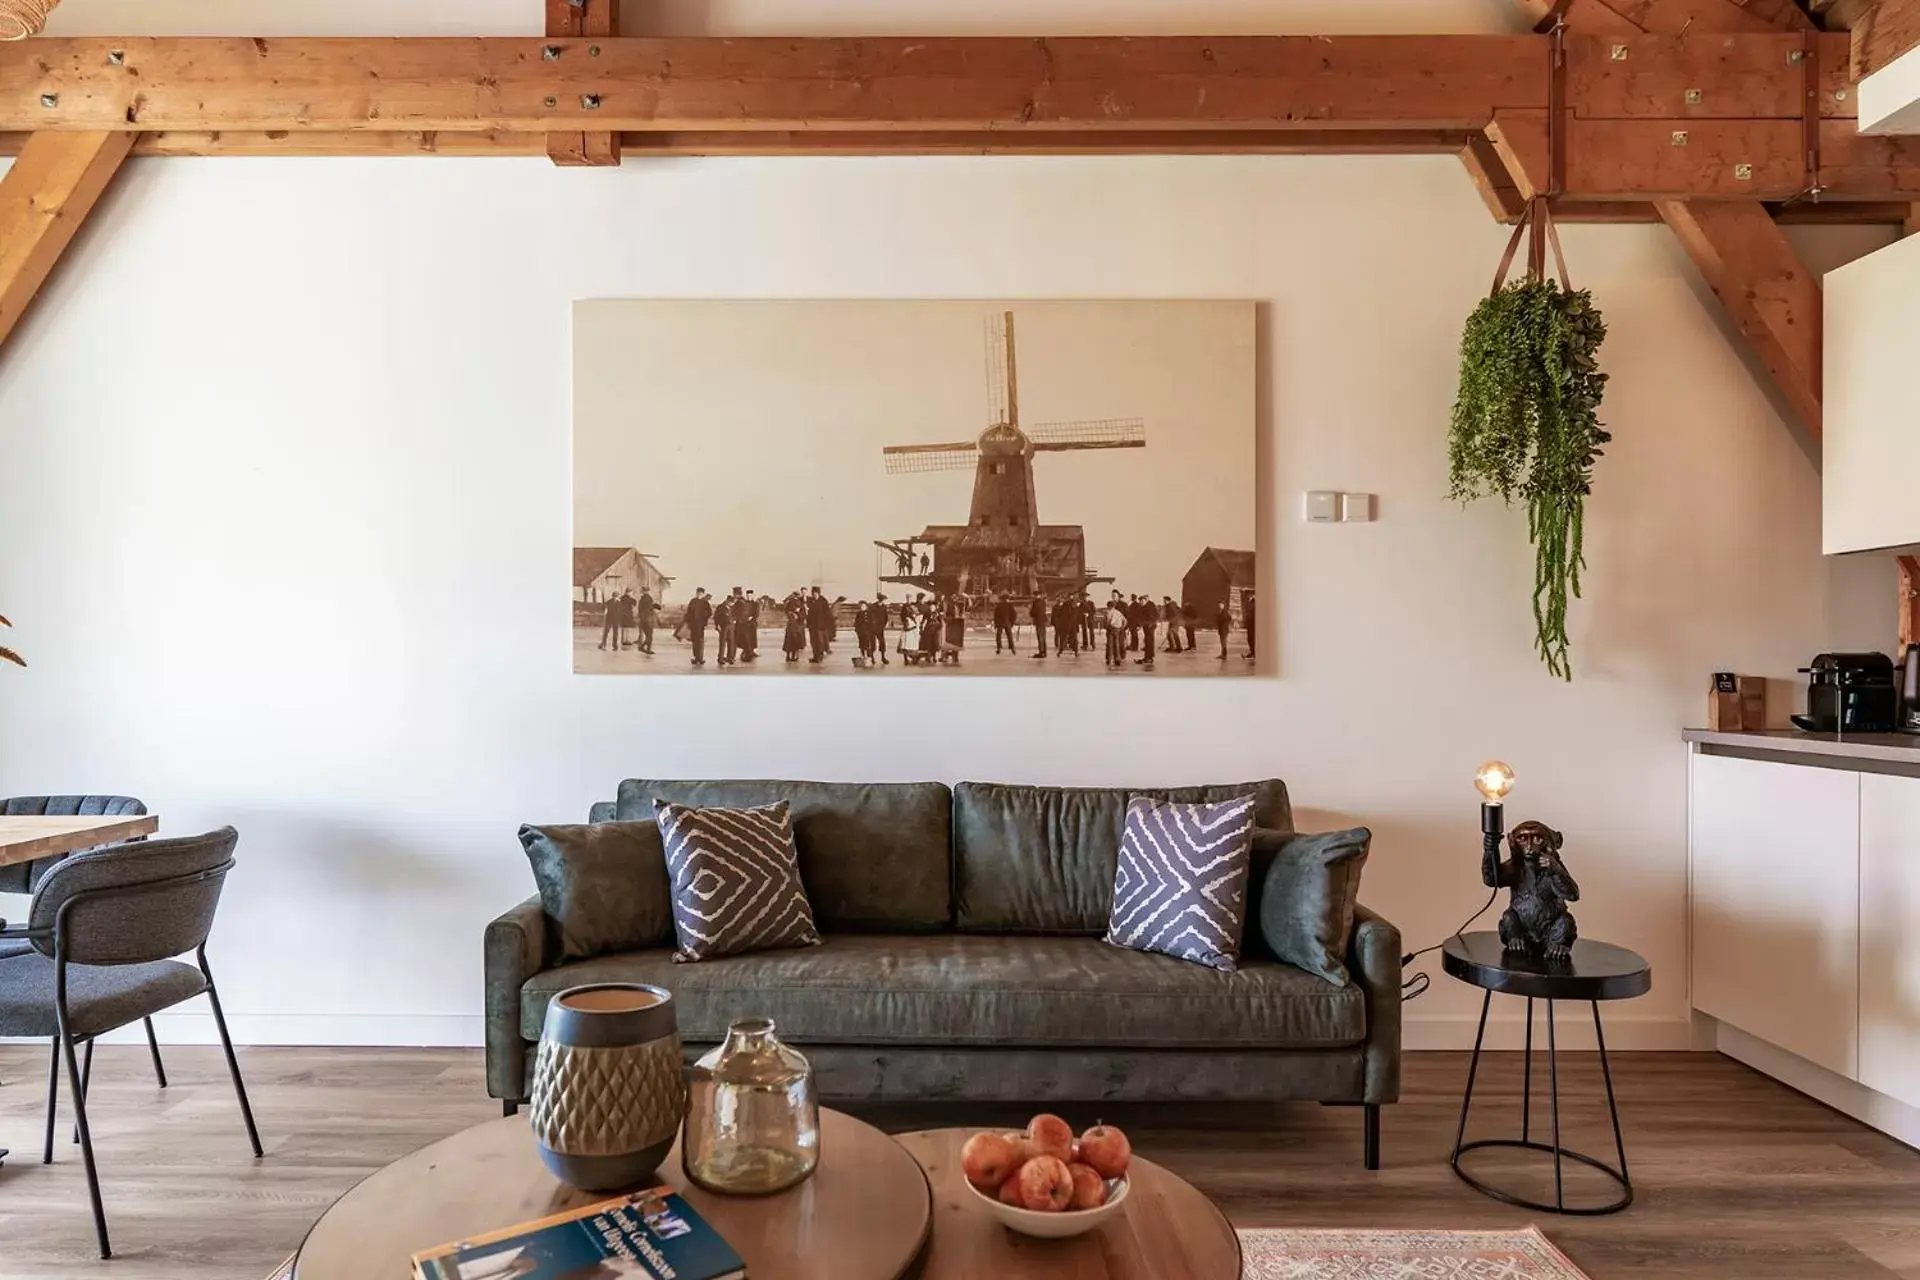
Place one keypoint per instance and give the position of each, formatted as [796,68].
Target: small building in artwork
[1219,575]
[601,573]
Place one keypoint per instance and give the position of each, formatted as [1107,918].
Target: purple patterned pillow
[1181,886]
[736,880]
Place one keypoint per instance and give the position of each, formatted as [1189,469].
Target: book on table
[650,1235]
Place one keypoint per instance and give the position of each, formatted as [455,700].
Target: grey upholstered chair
[24,877]
[104,927]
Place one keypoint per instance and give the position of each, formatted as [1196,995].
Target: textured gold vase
[609,1087]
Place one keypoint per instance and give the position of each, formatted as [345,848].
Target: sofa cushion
[1308,901]
[960,989]
[1181,889]
[603,886]
[1042,859]
[736,881]
[874,856]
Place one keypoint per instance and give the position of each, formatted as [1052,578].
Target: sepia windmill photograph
[895,489]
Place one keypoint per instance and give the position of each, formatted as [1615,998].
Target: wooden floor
[1737,1176]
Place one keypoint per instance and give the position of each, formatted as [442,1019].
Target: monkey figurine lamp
[1536,921]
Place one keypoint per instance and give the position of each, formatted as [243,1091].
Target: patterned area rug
[1403,1255]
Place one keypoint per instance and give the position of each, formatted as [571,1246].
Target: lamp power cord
[1416,986]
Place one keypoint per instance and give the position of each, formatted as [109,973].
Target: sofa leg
[509,1108]
[1371,1152]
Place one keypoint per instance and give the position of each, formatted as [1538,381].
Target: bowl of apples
[1042,1181]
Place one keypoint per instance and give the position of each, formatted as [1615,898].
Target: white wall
[284,492]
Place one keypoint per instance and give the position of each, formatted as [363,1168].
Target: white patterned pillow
[1181,886]
[736,881]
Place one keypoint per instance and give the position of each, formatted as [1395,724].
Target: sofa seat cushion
[964,989]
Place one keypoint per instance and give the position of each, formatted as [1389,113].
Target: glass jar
[753,1120]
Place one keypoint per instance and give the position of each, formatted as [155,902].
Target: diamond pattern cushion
[1181,887]
[736,881]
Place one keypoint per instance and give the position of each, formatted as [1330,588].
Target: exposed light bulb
[1494,779]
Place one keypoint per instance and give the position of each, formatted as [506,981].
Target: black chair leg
[509,1108]
[1372,1140]
[86,1079]
[153,1047]
[53,1095]
[233,1063]
[86,1142]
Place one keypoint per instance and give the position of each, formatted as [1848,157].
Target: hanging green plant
[1526,425]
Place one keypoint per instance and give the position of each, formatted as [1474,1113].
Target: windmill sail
[1099,433]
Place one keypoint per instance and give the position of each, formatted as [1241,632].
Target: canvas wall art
[896,490]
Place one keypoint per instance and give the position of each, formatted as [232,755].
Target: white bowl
[1054,1226]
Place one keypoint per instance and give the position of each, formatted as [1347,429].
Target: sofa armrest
[516,949]
[1373,959]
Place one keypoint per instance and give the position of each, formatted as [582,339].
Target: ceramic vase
[609,1087]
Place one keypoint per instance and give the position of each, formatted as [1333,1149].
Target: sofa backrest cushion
[1041,860]
[874,857]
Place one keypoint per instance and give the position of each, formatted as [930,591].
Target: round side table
[1595,971]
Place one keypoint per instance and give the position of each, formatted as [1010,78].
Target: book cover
[650,1235]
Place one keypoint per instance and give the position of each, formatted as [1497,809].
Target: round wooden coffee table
[1168,1230]
[863,1215]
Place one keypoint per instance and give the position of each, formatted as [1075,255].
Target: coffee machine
[1850,693]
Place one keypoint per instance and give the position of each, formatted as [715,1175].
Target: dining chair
[24,877]
[104,928]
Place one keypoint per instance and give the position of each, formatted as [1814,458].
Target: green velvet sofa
[964,960]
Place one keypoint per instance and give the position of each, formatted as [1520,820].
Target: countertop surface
[1898,748]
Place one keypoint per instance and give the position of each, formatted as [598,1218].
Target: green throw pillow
[604,887]
[1308,896]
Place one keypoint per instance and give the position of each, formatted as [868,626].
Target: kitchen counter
[1876,748]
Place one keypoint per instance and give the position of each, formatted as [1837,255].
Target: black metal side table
[1596,971]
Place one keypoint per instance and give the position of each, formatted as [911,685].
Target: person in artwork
[646,609]
[1003,619]
[1146,616]
[745,613]
[795,638]
[1066,627]
[1037,613]
[863,631]
[1223,623]
[699,613]
[819,625]
[1252,626]
[1189,618]
[879,623]
[612,626]
[723,629]
[1116,631]
[1089,619]
[956,629]
[1171,613]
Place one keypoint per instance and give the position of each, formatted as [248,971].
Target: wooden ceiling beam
[44,198]
[592,19]
[1882,31]
[1771,298]
[1491,178]
[1626,16]
[969,83]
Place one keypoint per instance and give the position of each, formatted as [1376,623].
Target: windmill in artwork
[1003,546]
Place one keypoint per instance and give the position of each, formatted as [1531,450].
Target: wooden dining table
[30,838]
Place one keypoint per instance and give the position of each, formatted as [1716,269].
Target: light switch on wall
[1323,506]
[1356,507]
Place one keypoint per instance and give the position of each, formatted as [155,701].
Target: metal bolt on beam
[1679,137]
[1619,53]
[116,57]
[1693,97]
[1796,56]
[49,100]
[552,103]
[1839,95]
[590,101]
[1743,173]
[593,51]
[550,53]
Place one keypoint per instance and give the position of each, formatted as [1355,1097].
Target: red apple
[1045,1185]
[1050,1136]
[1022,1144]
[1107,1150]
[1089,1188]
[989,1159]
[1010,1192]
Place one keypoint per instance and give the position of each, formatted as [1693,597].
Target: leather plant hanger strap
[1513,249]
[1553,238]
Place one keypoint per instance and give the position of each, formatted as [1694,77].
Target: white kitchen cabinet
[1870,401]
[1776,904]
[1890,936]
